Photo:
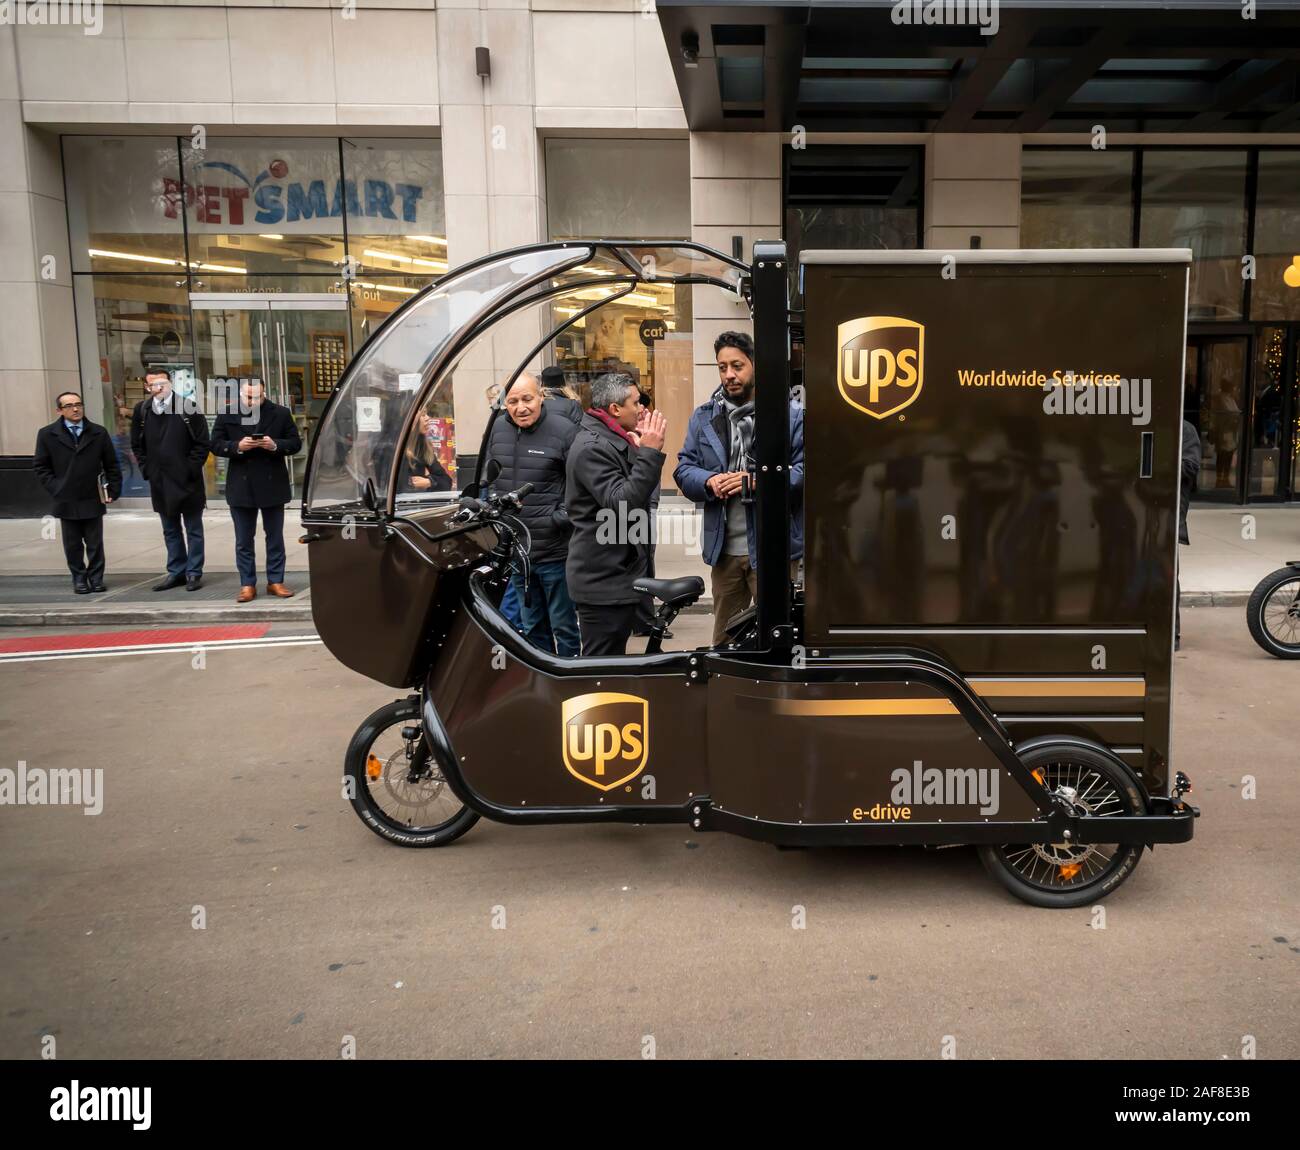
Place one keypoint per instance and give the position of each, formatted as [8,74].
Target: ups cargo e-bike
[979,651]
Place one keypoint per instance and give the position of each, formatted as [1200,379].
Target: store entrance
[296,343]
[1214,399]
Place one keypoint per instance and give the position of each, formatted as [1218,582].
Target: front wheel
[1072,874]
[395,785]
[1273,613]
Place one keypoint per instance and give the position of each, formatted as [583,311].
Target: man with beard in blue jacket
[711,467]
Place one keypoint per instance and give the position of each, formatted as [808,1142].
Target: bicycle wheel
[1273,613]
[396,786]
[1072,874]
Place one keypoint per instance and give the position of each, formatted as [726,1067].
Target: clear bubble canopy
[358,446]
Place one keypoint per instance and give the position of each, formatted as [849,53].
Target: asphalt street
[222,803]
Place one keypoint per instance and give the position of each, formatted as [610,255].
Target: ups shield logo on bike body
[880,362]
[606,738]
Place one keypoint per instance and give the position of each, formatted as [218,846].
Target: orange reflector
[1038,774]
[1069,871]
[374,768]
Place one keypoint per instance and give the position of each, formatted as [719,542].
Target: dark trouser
[549,621]
[184,551]
[645,610]
[605,627]
[87,533]
[245,554]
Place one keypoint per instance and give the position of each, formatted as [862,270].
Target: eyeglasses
[69,406]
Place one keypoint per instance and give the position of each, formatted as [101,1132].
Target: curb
[56,615]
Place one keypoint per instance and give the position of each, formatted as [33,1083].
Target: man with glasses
[77,465]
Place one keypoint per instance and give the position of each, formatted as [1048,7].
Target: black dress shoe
[193,582]
[98,586]
[170,582]
[80,586]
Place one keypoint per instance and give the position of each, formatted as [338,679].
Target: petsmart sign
[246,188]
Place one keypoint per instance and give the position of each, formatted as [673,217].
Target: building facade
[239,189]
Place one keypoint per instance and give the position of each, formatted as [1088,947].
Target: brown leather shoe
[279,590]
[246,594]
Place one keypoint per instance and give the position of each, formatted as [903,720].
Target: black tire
[405,771]
[1273,613]
[1059,875]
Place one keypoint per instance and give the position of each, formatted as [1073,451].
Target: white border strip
[1041,631]
[912,256]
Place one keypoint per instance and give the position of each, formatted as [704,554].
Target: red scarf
[610,422]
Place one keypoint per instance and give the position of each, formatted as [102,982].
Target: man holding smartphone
[257,438]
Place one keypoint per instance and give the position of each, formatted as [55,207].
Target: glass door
[311,346]
[1270,455]
[231,341]
[296,343]
[1214,401]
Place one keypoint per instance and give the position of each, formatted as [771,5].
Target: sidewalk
[1221,567]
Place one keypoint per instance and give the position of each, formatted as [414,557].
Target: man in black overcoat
[169,437]
[257,439]
[77,465]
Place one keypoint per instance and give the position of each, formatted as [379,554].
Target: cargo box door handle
[1148,454]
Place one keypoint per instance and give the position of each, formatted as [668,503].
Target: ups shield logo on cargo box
[880,363]
[606,738]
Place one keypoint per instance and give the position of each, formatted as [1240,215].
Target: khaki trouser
[735,584]
[735,587]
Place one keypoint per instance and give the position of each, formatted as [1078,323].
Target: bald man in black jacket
[531,443]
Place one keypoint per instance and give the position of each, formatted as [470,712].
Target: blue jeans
[246,531]
[549,619]
[183,559]
[510,605]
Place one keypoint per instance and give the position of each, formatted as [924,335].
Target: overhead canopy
[1195,65]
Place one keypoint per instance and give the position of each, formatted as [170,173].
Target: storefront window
[126,323]
[267,206]
[1197,200]
[123,204]
[262,289]
[400,227]
[1275,291]
[1079,198]
[607,189]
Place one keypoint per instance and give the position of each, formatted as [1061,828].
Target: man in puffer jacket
[531,445]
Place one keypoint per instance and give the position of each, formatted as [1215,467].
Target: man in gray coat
[609,481]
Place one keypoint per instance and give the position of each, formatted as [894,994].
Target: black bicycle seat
[677,593]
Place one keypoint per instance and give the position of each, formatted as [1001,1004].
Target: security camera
[690,49]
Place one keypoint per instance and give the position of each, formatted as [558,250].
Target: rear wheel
[1072,874]
[395,784]
[1273,613]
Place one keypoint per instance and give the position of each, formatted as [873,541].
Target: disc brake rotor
[395,774]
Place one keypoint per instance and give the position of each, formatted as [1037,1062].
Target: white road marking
[160,648]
